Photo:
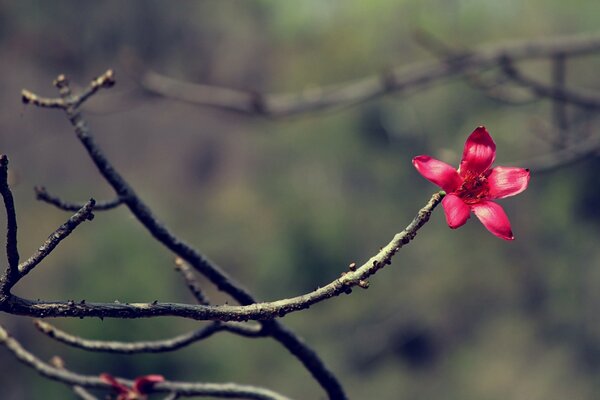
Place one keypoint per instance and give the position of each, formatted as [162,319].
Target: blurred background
[285,205]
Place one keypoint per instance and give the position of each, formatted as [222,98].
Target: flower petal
[457,212]
[143,384]
[479,153]
[438,172]
[493,217]
[507,181]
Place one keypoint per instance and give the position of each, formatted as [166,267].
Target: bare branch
[157,346]
[579,97]
[398,80]
[215,274]
[494,88]
[256,311]
[106,80]
[84,214]
[29,97]
[81,392]
[192,283]
[561,158]
[43,195]
[561,119]
[220,390]
[12,252]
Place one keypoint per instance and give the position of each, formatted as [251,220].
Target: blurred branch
[81,392]
[190,280]
[561,158]
[397,80]
[561,119]
[157,346]
[43,195]
[579,97]
[556,91]
[256,311]
[494,87]
[296,346]
[220,390]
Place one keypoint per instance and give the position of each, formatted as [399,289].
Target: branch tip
[61,81]
[106,80]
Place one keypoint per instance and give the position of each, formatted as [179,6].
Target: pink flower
[142,385]
[475,184]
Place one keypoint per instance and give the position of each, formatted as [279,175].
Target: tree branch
[494,88]
[106,80]
[84,214]
[156,346]
[256,311]
[190,280]
[561,158]
[561,118]
[220,390]
[12,252]
[81,392]
[43,195]
[397,80]
[215,274]
[579,97]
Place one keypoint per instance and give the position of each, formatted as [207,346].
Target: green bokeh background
[286,205]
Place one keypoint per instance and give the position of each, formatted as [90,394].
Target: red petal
[438,172]
[144,384]
[493,217]
[111,380]
[457,212]
[479,153]
[507,181]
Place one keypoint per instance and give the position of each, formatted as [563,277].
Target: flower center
[473,189]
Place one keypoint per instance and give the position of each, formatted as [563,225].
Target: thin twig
[256,311]
[494,88]
[190,280]
[12,252]
[106,80]
[84,214]
[43,195]
[214,273]
[561,121]
[156,346]
[561,158]
[580,97]
[397,80]
[81,392]
[220,390]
